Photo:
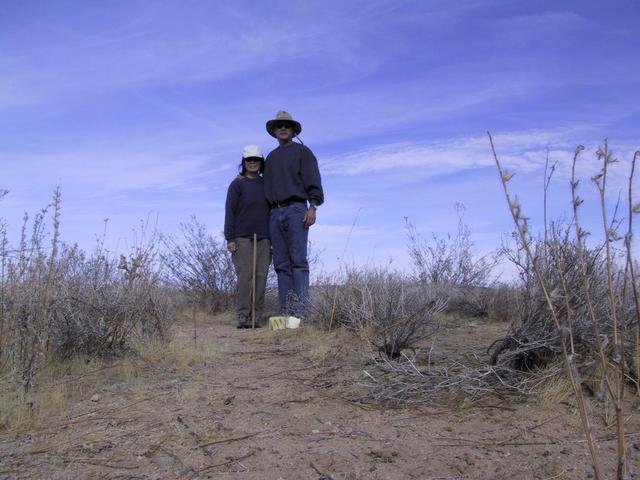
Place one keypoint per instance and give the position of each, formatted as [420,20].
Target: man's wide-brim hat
[283,117]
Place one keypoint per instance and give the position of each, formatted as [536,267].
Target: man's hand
[310,217]
[232,247]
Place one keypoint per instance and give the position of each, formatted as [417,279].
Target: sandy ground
[271,405]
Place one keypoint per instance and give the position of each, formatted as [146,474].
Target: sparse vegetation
[200,266]
[452,265]
[57,301]
[390,311]
[449,260]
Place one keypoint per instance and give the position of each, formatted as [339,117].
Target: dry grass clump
[409,381]
[179,352]
[58,301]
[65,381]
[556,389]
[390,311]
[56,384]
[18,411]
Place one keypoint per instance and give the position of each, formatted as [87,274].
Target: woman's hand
[232,247]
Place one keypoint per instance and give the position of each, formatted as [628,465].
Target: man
[293,188]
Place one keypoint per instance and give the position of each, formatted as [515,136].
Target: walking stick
[253,286]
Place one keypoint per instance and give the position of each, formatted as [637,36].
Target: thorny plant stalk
[51,270]
[565,289]
[335,290]
[195,326]
[634,289]
[3,266]
[548,173]
[610,234]
[618,330]
[581,235]
[522,226]
[617,395]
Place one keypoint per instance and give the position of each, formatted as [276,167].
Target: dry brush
[57,301]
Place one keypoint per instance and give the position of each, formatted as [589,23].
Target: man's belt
[286,203]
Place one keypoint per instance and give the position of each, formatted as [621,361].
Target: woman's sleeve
[230,212]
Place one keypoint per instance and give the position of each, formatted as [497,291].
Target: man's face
[283,132]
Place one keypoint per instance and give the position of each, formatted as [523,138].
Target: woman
[246,214]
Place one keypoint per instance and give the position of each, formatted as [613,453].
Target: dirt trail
[265,406]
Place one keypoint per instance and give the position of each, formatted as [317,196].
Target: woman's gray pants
[243,261]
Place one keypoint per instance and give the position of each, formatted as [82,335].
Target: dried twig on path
[323,476]
[101,462]
[288,370]
[232,439]
[228,462]
[273,351]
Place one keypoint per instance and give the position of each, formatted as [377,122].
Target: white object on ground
[280,323]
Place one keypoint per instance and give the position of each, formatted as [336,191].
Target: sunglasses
[253,159]
[283,125]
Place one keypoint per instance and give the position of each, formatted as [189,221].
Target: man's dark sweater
[291,173]
[247,210]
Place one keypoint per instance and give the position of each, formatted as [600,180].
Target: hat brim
[297,128]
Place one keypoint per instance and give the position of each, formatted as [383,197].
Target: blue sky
[139,110]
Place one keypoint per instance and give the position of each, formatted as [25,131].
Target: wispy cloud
[113,173]
[144,47]
[521,151]
[524,151]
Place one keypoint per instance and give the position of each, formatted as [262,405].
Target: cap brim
[297,128]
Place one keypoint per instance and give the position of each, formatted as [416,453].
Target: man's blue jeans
[289,242]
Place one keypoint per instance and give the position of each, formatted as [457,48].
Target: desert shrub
[449,260]
[452,264]
[56,301]
[533,340]
[200,266]
[575,294]
[393,313]
[497,301]
[113,298]
[503,301]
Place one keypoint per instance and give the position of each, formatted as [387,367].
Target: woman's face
[252,164]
